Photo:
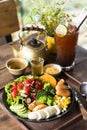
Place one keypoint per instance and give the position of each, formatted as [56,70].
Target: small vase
[51,44]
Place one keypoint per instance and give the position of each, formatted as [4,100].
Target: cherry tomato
[27,81]
[30,81]
[38,85]
[14,88]
[33,80]
[14,93]
[20,86]
[33,95]
[27,89]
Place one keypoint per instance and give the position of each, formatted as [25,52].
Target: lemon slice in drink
[61,30]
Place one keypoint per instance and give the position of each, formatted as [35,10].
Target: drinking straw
[81,23]
[80,16]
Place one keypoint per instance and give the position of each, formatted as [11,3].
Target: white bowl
[16,66]
[52,69]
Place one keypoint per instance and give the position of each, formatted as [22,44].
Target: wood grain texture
[8,18]
[71,119]
[7,122]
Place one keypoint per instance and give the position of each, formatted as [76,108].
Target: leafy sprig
[48,15]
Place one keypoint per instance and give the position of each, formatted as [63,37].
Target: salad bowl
[22,116]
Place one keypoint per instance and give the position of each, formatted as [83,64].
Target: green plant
[49,15]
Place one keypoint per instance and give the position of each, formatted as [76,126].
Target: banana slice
[32,115]
[44,113]
[40,114]
[51,111]
[58,109]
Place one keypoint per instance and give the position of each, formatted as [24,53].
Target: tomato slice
[29,81]
[14,88]
[20,86]
[14,93]
[27,89]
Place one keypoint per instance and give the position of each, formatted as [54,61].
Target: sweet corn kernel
[62,102]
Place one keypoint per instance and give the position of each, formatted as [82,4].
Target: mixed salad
[28,89]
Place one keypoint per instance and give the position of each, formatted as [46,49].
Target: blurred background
[73,7]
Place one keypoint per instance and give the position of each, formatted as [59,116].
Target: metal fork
[82,108]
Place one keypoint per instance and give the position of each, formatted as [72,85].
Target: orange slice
[49,79]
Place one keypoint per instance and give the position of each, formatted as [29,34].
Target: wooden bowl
[16,66]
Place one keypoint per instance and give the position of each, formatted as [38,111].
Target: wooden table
[71,121]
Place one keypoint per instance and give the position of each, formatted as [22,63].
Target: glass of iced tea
[37,66]
[66,41]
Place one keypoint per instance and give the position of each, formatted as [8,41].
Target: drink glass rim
[69,33]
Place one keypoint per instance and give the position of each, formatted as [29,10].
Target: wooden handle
[33,28]
[83,111]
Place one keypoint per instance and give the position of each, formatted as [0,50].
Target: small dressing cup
[37,66]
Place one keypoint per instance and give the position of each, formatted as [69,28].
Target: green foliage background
[24,7]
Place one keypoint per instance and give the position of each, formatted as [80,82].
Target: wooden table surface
[71,121]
